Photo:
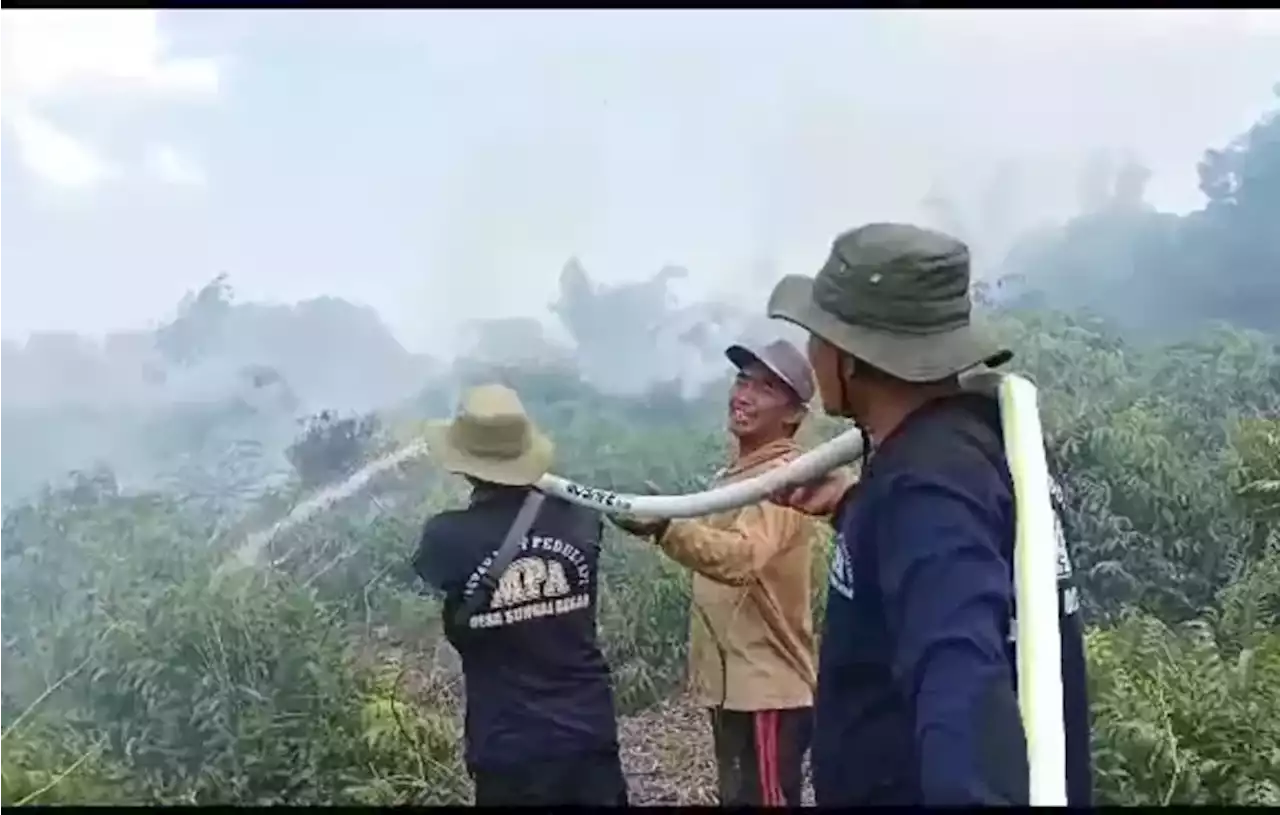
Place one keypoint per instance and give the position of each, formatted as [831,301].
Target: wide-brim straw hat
[492,439]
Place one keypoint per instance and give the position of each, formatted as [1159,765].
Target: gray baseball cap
[783,359]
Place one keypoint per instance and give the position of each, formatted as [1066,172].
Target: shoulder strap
[479,592]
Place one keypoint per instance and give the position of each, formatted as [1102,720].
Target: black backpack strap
[479,591]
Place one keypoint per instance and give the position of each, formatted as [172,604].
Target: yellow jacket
[751,590]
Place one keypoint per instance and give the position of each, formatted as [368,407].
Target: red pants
[760,755]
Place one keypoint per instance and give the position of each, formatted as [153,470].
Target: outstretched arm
[431,560]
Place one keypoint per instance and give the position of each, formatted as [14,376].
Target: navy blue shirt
[917,700]
[537,684]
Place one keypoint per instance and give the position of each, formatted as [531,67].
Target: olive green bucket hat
[895,296]
[491,438]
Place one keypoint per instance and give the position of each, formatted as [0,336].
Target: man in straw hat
[540,723]
[751,648]
[916,700]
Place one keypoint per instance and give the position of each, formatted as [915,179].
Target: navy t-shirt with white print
[537,685]
[916,701]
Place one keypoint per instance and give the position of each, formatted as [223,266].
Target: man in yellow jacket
[751,648]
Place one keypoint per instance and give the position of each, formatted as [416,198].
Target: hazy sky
[442,166]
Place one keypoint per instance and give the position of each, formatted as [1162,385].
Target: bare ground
[667,755]
[668,758]
[667,752]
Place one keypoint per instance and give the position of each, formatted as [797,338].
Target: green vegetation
[144,662]
[141,667]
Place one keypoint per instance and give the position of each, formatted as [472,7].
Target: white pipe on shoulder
[1035,564]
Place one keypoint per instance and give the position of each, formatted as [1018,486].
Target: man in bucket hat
[540,723]
[916,701]
[751,646]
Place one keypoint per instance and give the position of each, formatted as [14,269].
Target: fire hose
[1038,640]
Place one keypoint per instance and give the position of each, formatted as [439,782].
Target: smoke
[407,202]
